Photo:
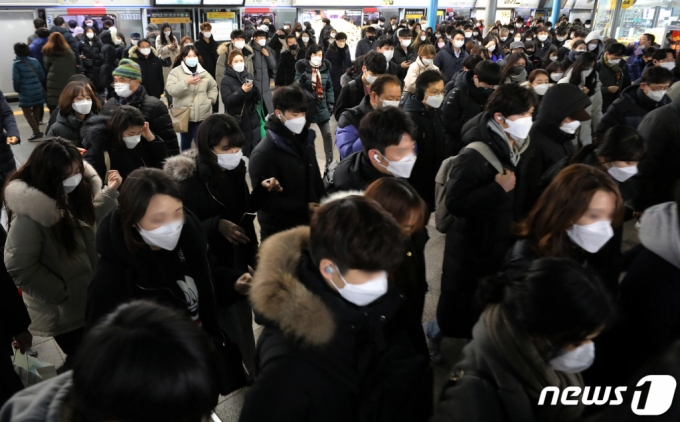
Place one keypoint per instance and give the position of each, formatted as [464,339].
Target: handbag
[36,75]
[180,116]
[32,370]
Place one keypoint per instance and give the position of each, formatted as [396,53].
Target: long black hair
[210,134]
[185,51]
[50,163]
[165,41]
[123,118]
[585,61]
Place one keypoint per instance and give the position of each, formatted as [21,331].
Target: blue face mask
[191,61]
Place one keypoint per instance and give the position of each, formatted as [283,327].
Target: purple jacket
[36,50]
[347,135]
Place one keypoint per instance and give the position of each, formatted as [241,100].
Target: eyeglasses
[659,88]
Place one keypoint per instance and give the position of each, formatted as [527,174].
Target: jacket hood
[600,44]
[340,195]
[95,134]
[134,50]
[181,167]
[660,232]
[48,401]
[278,294]
[570,98]
[28,201]
[107,37]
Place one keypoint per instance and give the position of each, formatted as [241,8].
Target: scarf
[134,98]
[317,86]
[615,67]
[530,368]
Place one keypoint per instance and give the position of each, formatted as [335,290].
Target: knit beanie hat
[128,69]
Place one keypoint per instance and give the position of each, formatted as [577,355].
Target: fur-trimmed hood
[133,52]
[278,295]
[340,195]
[23,199]
[181,167]
[95,134]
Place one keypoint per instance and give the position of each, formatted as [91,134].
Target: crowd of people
[146,256]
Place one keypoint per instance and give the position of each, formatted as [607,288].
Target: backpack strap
[353,86]
[486,152]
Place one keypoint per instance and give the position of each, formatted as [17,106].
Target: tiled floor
[230,406]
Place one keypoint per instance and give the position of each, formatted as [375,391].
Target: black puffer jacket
[630,109]
[208,53]
[285,69]
[242,105]
[355,173]
[155,112]
[98,139]
[109,60]
[431,143]
[152,71]
[461,104]
[92,63]
[68,127]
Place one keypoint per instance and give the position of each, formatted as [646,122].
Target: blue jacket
[347,135]
[26,83]
[36,50]
[448,63]
[8,127]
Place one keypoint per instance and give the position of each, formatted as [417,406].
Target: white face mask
[518,39]
[295,125]
[518,25]
[90,35]
[207,34]
[332,35]
[297,34]
[239,67]
[441,45]
[556,76]
[553,58]
[541,89]
[458,44]
[437,35]
[167,33]
[122,90]
[405,43]
[370,78]
[592,47]
[667,65]
[363,294]
[134,42]
[239,45]
[587,26]
[118,41]
[401,168]
[560,39]
[261,42]
[586,72]
[71,183]
[229,161]
[165,237]
[622,174]
[388,55]
[145,51]
[475,33]
[423,38]
[388,103]
[491,49]
[316,61]
[570,127]
[82,107]
[591,237]
[427,62]
[468,35]
[504,38]
[435,101]
[528,39]
[264,28]
[542,38]
[574,361]
[518,129]
[132,141]
[655,96]
[305,39]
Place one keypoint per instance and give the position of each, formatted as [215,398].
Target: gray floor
[230,406]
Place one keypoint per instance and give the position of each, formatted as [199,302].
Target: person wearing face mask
[278,44]
[555,71]
[285,69]
[515,71]
[324,34]
[207,50]
[241,99]
[351,95]
[134,40]
[319,274]
[109,57]
[213,179]
[466,100]
[287,153]
[539,82]
[485,203]
[167,46]
[663,57]
[340,59]
[638,100]
[424,62]
[570,45]
[305,40]
[77,103]
[191,86]
[366,44]
[264,62]
[450,59]
[420,40]
[542,43]
[584,207]
[536,331]
[239,43]
[89,51]
[385,92]
[122,142]
[550,57]
[583,75]
[560,37]
[121,45]
[385,46]
[404,54]
[54,272]
[152,248]
[151,68]
[424,108]
[152,33]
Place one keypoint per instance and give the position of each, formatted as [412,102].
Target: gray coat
[262,66]
[46,401]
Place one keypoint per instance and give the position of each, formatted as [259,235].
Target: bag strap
[107,162]
[35,73]
[486,152]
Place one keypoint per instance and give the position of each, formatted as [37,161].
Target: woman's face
[82,96]
[191,53]
[520,63]
[162,210]
[601,208]
[133,131]
[75,169]
[588,339]
[540,80]
[237,59]
[224,148]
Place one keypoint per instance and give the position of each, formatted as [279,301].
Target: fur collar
[278,295]
[25,200]
[134,50]
[182,167]
[340,195]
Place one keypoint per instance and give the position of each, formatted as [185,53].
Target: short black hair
[326,20]
[289,36]
[488,72]
[356,234]
[425,79]
[21,49]
[72,24]
[561,30]
[371,29]
[237,33]
[651,37]
[312,49]
[385,40]
[378,86]
[58,21]
[375,62]
[123,118]
[621,143]
[38,23]
[342,35]
[657,75]
[384,127]
[404,32]
[290,98]
[661,54]
[471,61]
[616,49]
[144,339]
[259,33]
[511,99]
[580,33]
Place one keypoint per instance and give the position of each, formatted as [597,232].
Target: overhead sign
[220,15]
[170,20]
[414,13]
[457,3]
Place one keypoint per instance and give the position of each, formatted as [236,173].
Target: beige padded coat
[182,93]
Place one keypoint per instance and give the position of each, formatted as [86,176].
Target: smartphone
[247,218]
[249,81]
[194,74]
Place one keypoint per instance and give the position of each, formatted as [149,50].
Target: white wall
[16,26]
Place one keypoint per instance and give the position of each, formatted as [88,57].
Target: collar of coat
[199,68]
[135,49]
[26,200]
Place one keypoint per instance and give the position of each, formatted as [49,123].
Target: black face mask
[517,70]
[293,47]
[486,91]
[282,37]
[370,37]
